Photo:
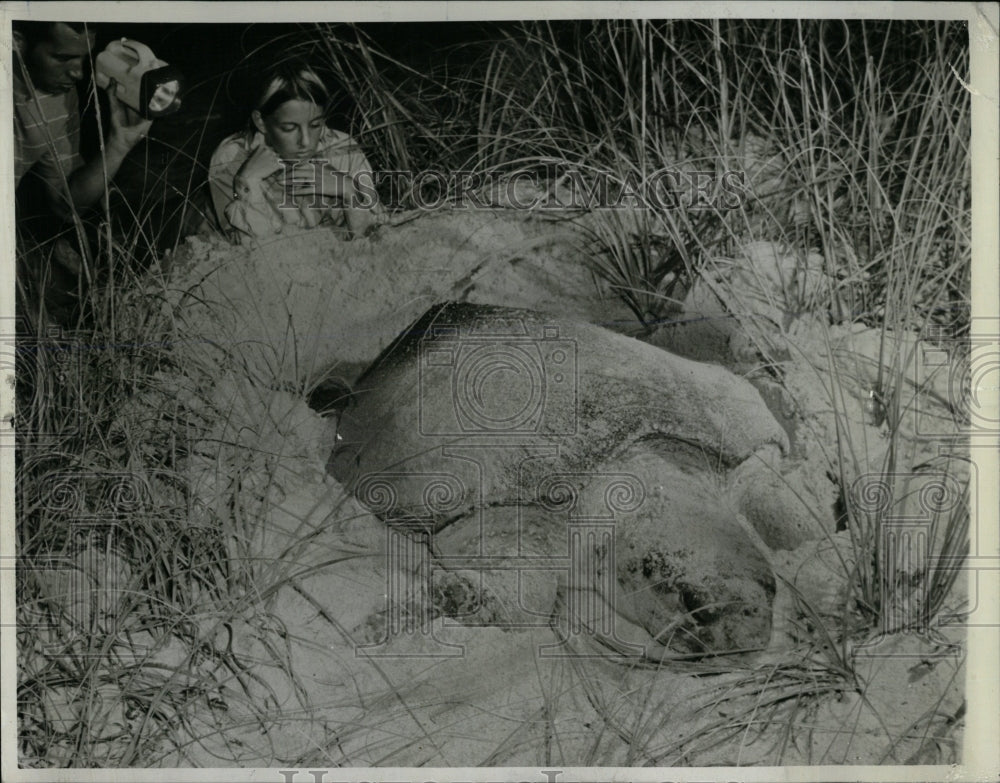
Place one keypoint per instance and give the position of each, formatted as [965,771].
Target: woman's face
[293,129]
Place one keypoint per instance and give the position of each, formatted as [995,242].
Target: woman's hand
[261,164]
[319,186]
[128,127]
[362,223]
[326,187]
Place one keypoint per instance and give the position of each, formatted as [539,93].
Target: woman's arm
[366,212]
[239,197]
[343,181]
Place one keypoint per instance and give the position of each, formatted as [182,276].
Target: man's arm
[87,183]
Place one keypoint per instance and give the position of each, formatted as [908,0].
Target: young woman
[289,168]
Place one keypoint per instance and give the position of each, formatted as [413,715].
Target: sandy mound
[444,694]
[257,326]
[301,304]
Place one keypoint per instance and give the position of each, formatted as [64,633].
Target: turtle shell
[503,431]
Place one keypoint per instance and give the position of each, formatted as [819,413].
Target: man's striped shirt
[46,134]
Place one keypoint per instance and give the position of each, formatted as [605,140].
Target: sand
[315,676]
[303,305]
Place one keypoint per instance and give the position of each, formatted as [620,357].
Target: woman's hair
[290,80]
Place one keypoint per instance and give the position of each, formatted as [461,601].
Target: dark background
[221,64]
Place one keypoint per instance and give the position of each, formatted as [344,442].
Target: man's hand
[66,256]
[87,183]
[128,127]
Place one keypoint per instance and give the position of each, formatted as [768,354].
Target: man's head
[53,53]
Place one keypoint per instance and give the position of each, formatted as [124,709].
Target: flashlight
[147,84]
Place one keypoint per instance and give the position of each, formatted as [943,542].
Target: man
[48,63]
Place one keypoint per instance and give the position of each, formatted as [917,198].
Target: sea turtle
[555,463]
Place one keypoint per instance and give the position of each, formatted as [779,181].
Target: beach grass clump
[850,138]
